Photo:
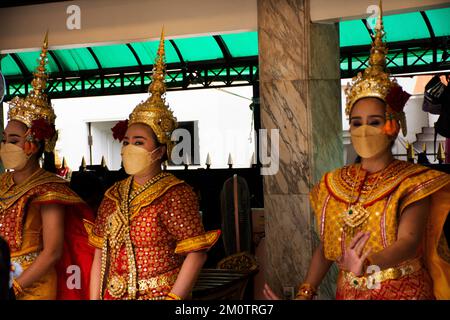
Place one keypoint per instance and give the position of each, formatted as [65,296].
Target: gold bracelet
[306,291]
[18,290]
[173,296]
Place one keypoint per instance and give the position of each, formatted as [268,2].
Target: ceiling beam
[118,21]
[181,18]
[333,11]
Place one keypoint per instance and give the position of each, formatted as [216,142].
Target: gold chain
[353,186]
[356,214]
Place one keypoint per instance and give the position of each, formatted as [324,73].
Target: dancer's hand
[353,258]
[269,294]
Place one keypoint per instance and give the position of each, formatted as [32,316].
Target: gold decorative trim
[116,192]
[340,182]
[164,280]
[425,188]
[9,197]
[197,243]
[55,196]
[25,259]
[369,281]
[41,186]
[93,239]
[117,286]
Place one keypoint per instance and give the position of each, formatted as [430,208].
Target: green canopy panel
[398,27]
[146,51]
[183,50]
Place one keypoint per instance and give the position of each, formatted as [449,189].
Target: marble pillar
[300,96]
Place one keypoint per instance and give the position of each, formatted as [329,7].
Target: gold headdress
[154,111]
[36,105]
[375,82]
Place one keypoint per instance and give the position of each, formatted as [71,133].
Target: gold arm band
[200,242]
[306,291]
[18,290]
[173,296]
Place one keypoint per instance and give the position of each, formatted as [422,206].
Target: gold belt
[117,285]
[167,279]
[370,281]
[25,258]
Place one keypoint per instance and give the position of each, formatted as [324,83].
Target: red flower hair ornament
[40,130]
[396,100]
[119,130]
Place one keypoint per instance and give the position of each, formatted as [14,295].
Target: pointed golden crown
[154,111]
[36,105]
[374,82]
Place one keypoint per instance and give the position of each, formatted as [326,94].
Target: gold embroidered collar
[11,192]
[341,182]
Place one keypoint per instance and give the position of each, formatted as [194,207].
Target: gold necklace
[356,214]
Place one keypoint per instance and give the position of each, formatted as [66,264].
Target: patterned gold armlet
[18,290]
[197,243]
[173,296]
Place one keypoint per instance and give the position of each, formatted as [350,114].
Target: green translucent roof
[76,59]
[398,27]
[353,33]
[9,67]
[201,48]
[196,49]
[115,56]
[243,44]
[147,52]
[31,61]
[440,20]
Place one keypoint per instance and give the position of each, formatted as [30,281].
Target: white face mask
[137,160]
[13,157]
[369,141]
